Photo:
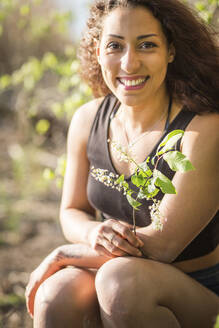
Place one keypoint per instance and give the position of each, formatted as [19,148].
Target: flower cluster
[109,179]
[104,176]
[156,216]
[121,152]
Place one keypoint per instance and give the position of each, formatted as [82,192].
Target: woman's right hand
[113,237]
[79,255]
[48,267]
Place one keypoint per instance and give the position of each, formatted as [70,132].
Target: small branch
[159,158]
[134,221]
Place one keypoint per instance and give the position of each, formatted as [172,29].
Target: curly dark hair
[192,77]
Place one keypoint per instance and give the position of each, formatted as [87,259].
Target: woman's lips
[133,83]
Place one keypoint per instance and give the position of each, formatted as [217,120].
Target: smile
[133,83]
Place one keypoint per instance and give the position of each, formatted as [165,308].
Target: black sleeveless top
[111,202]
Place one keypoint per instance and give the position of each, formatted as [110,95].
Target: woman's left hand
[115,238]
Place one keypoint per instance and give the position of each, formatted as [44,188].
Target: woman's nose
[130,62]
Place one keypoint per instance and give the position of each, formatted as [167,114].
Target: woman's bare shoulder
[83,118]
[202,131]
[207,120]
[86,113]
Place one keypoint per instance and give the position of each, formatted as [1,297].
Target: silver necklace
[131,143]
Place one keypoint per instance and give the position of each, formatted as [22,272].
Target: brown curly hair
[192,77]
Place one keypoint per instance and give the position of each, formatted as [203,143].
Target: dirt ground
[29,230]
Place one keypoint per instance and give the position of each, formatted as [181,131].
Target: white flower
[156,216]
[107,178]
[121,152]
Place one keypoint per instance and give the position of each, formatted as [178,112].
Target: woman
[156,65]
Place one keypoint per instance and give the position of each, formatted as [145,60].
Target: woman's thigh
[139,285]
[67,299]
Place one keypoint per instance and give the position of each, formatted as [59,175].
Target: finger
[122,244]
[125,246]
[30,298]
[102,251]
[125,232]
[141,244]
[111,248]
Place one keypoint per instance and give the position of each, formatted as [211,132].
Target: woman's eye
[147,45]
[113,46]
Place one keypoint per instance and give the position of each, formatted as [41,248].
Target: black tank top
[111,202]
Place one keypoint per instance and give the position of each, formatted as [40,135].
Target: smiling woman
[134,57]
[153,67]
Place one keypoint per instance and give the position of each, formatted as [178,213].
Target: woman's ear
[172,53]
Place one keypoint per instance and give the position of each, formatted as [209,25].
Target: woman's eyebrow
[146,36]
[138,37]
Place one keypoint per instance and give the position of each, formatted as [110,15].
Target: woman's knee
[67,290]
[124,281]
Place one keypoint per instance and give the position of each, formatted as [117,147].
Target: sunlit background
[80,9]
[40,89]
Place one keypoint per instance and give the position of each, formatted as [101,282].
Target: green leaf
[169,141]
[146,169]
[134,203]
[148,192]
[164,183]
[151,186]
[141,194]
[178,162]
[138,180]
[152,190]
[120,179]
[144,166]
[125,185]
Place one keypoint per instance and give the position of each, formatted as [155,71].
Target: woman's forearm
[76,225]
[80,255]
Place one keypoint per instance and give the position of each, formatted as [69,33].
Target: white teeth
[132,82]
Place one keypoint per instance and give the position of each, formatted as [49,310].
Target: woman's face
[133,54]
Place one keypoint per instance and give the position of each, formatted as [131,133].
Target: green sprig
[147,178]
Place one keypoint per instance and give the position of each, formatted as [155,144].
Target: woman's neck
[143,116]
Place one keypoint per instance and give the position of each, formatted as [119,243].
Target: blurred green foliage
[40,85]
[46,86]
[206,9]
[11,299]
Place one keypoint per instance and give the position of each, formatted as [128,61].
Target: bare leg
[141,293]
[67,299]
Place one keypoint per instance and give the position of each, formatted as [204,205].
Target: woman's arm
[196,202]
[79,255]
[76,214]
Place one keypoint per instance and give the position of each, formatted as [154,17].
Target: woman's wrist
[80,255]
[90,232]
